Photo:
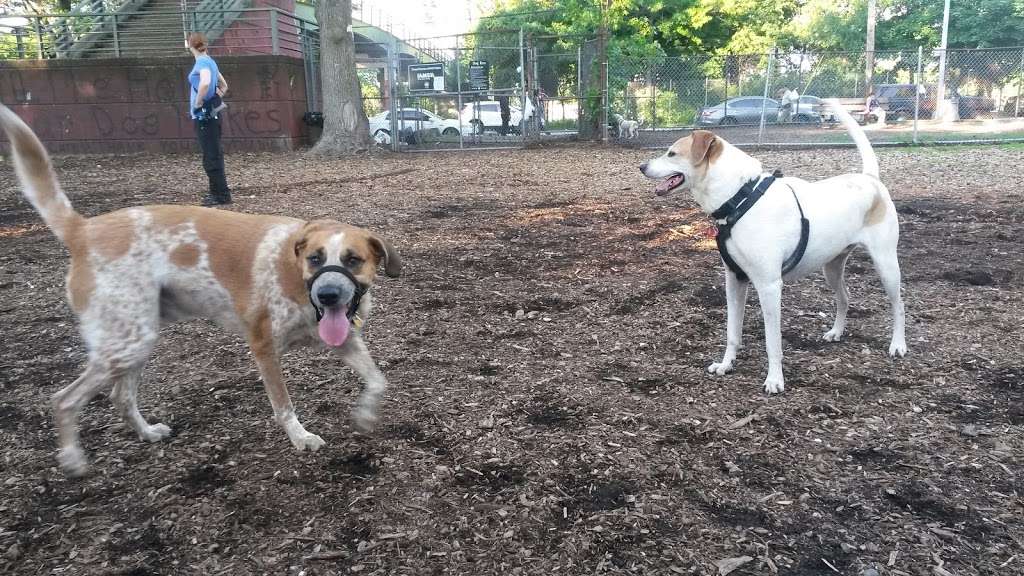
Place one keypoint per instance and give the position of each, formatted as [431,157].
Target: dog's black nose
[643,167]
[328,295]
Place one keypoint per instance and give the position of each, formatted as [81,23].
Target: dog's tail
[867,153]
[38,180]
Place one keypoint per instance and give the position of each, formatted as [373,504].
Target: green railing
[129,32]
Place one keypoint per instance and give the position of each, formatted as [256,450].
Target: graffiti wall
[132,105]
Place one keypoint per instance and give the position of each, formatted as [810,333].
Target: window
[413,115]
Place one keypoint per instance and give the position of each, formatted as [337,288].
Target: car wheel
[382,137]
[729,121]
[803,118]
[450,132]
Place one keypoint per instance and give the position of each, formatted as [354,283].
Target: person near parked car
[541,98]
[506,114]
[788,101]
[873,108]
[205,103]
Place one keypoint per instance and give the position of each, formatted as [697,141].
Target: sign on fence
[479,76]
[426,77]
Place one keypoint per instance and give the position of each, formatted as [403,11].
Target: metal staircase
[140,28]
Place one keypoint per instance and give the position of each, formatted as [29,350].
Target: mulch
[549,411]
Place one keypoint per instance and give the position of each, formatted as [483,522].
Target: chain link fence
[507,88]
[777,98]
[484,90]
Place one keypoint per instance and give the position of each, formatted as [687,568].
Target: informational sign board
[426,77]
[479,76]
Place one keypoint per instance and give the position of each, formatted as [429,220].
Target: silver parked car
[747,110]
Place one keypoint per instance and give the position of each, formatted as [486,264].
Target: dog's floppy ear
[704,147]
[302,237]
[387,253]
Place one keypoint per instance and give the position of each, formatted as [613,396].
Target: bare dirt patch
[549,411]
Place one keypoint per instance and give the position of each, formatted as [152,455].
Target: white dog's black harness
[734,209]
[357,295]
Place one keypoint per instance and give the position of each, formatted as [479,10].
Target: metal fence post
[918,84]
[605,95]
[654,95]
[1020,87]
[764,103]
[522,86]
[18,34]
[458,86]
[39,38]
[393,88]
[117,38]
[274,48]
[580,94]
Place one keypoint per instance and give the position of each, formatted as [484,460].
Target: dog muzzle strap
[357,295]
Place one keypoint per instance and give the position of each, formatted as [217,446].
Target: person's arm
[204,86]
[222,84]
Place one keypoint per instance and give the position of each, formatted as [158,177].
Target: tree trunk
[346,129]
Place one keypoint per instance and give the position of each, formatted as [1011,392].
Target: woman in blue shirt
[208,85]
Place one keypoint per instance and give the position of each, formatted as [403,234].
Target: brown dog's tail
[38,180]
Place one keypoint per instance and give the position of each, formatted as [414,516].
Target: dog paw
[307,441]
[898,349]
[833,335]
[365,419]
[774,385]
[72,461]
[720,368]
[155,433]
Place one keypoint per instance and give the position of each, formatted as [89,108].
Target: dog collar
[353,305]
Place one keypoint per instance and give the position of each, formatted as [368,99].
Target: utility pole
[942,113]
[869,48]
[602,54]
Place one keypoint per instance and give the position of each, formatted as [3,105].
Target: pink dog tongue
[668,184]
[333,326]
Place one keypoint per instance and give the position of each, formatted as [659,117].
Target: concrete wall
[133,105]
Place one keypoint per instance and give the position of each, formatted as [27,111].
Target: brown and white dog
[268,278]
[844,212]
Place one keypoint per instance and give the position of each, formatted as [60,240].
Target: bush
[670,111]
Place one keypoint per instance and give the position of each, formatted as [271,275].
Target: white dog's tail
[867,153]
[38,180]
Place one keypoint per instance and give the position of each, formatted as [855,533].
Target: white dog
[628,128]
[763,238]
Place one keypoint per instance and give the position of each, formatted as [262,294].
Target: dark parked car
[974,106]
[898,101]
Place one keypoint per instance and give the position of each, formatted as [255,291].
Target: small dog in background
[628,128]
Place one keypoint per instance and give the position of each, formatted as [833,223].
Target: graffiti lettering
[138,84]
[104,125]
[167,90]
[265,75]
[149,125]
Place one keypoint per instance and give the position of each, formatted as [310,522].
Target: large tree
[346,129]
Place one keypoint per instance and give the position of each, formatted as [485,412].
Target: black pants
[208,132]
